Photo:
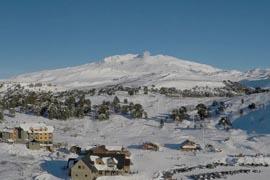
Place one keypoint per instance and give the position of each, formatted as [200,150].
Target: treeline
[66,104]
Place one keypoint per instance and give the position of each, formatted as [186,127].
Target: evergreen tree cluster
[102,111]
[218,106]
[63,105]
[179,114]
[195,92]
[131,110]
[252,106]
[111,90]
[229,90]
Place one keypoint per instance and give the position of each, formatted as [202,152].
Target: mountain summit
[137,69]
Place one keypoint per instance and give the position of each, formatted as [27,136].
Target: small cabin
[150,146]
[189,145]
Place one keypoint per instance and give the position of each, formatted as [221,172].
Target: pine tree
[116,100]
[103,112]
[202,111]
[125,101]
[1,115]
[131,92]
[145,90]
[124,109]
[225,122]
[145,115]
[87,106]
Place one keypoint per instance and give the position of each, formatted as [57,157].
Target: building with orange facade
[28,132]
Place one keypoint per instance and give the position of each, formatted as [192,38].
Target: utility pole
[203,134]
[158,104]
[193,118]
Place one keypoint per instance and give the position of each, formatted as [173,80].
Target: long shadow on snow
[135,146]
[56,168]
[165,117]
[172,146]
[256,121]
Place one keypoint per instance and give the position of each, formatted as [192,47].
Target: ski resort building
[101,161]
[38,132]
[28,132]
[8,135]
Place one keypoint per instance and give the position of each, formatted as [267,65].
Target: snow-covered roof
[8,130]
[151,143]
[10,140]
[114,148]
[36,127]
[93,158]
[105,160]
[188,144]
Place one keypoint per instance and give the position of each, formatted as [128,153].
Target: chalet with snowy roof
[150,146]
[189,145]
[102,150]
[100,161]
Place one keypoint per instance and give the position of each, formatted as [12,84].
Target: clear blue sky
[48,34]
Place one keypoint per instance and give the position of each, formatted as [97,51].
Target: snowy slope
[257,121]
[17,162]
[134,69]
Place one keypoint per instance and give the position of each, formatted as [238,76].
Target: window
[79,167]
[76,175]
[85,175]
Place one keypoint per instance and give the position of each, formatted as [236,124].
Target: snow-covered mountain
[135,69]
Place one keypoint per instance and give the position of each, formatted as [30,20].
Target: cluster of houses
[34,135]
[187,145]
[104,160]
[97,161]
[100,161]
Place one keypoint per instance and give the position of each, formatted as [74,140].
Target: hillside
[131,133]
[128,117]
